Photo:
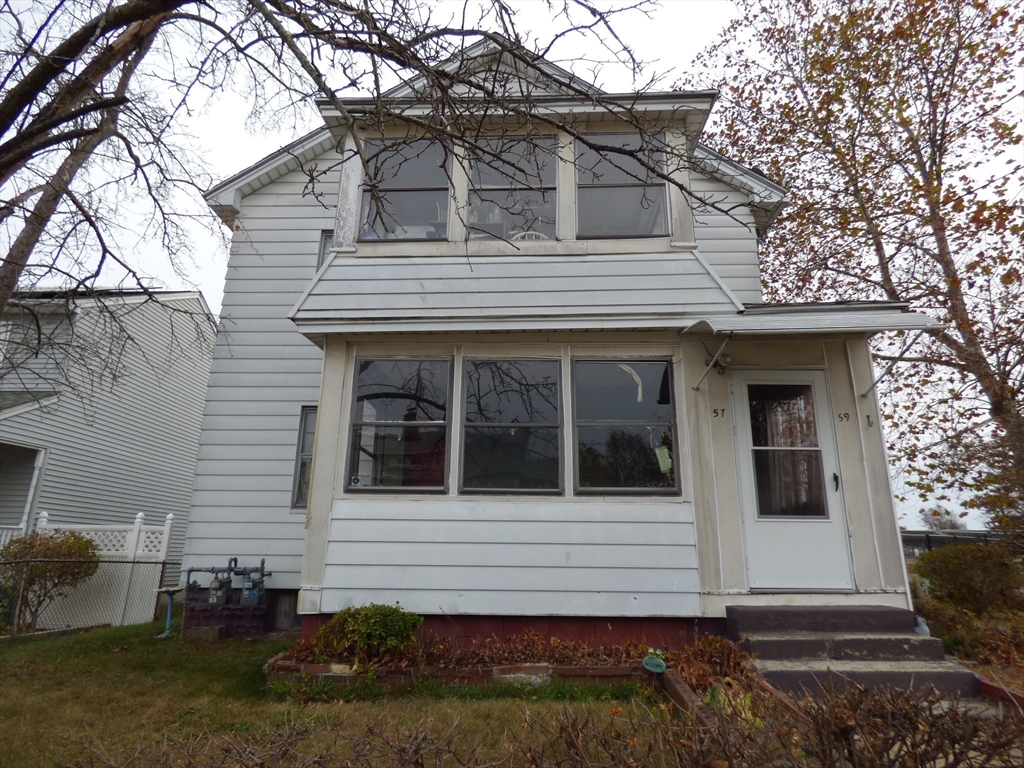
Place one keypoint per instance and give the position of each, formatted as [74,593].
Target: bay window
[514,438]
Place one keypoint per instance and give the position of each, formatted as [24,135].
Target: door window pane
[399,424]
[782,415]
[788,469]
[624,425]
[511,435]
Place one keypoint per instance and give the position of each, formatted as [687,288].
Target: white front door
[794,524]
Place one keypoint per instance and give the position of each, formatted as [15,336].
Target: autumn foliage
[897,128]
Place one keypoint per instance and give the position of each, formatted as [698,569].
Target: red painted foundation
[662,633]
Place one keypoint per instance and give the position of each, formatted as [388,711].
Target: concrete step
[853,646]
[755,619]
[797,676]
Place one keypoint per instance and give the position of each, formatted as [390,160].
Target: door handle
[835,476]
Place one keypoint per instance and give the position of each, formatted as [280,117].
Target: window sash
[304,457]
[662,425]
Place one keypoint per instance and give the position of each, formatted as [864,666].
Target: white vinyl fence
[124,588]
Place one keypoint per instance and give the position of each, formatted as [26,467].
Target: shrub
[367,634]
[981,578]
[37,569]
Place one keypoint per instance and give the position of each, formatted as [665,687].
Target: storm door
[794,524]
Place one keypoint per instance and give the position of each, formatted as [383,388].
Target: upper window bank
[512,189]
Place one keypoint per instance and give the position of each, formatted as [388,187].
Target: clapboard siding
[263,373]
[557,286]
[728,242]
[131,447]
[502,555]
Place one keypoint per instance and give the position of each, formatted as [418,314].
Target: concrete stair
[801,647]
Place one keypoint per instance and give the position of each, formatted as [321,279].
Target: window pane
[402,390]
[512,391]
[407,164]
[626,457]
[512,214]
[621,211]
[790,484]
[592,168]
[626,391]
[308,431]
[782,415]
[511,458]
[406,215]
[525,162]
[398,456]
[302,481]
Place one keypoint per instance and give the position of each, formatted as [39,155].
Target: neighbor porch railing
[10,532]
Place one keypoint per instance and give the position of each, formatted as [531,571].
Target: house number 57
[718,412]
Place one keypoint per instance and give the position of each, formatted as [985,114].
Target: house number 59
[842,417]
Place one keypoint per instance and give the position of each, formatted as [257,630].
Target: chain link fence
[47,595]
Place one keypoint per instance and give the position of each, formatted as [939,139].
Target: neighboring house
[576,406]
[101,401]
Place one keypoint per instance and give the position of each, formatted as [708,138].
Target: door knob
[835,476]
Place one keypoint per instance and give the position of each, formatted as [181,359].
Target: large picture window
[616,195]
[511,426]
[413,185]
[512,193]
[400,424]
[624,425]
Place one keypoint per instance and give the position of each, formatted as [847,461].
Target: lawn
[120,690]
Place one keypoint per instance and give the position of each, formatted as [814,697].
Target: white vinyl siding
[513,556]
[263,373]
[728,242]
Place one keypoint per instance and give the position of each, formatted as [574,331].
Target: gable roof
[484,53]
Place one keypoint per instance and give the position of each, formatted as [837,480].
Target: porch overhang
[797,319]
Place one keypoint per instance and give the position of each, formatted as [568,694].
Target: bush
[37,569]
[367,634]
[980,578]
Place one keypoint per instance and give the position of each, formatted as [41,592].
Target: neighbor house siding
[128,447]
[726,238]
[263,372]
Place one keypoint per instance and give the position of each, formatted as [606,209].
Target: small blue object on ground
[170,592]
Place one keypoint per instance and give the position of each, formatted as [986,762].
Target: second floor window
[512,195]
[413,192]
[616,195]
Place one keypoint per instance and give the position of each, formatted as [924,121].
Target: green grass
[120,690]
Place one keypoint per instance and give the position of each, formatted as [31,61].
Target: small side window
[304,459]
[326,243]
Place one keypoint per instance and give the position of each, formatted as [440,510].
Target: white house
[101,403]
[550,397]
